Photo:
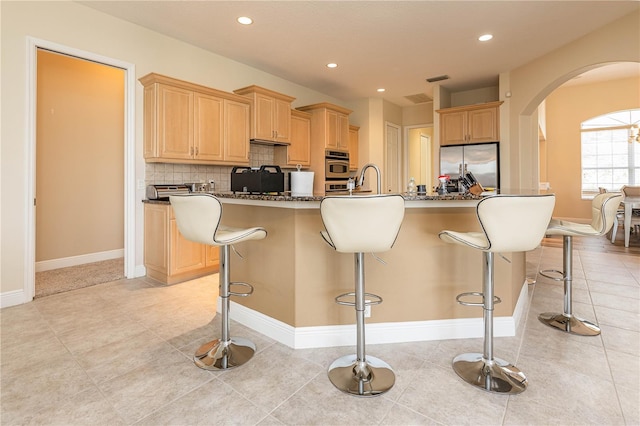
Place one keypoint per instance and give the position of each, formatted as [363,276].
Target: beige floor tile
[147,388]
[612,301]
[632,292]
[618,318]
[621,340]
[212,403]
[271,376]
[45,386]
[629,398]
[400,415]
[88,407]
[625,369]
[320,403]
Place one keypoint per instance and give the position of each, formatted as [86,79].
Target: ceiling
[394,45]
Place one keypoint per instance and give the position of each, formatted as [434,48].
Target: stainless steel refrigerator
[482,159]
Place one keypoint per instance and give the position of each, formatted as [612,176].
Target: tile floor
[120,354]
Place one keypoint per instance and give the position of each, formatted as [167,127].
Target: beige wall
[566,108]
[79,157]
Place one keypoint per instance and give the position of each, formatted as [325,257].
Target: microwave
[336,165]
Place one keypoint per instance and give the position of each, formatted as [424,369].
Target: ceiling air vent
[419,98]
[438,78]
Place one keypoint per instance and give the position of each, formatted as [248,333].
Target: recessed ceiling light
[332,65]
[485,37]
[381,89]
[245,20]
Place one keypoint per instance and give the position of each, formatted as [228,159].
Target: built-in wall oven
[336,170]
[336,165]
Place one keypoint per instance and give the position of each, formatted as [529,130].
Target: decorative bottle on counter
[411,188]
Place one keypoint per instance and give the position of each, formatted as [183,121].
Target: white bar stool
[198,218]
[359,224]
[509,224]
[604,209]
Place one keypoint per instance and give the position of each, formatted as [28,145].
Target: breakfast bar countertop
[313,202]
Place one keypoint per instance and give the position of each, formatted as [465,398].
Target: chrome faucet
[364,169]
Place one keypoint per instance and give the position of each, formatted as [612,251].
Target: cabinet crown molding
[326,105]
[471,107]
[257,89]
[152,78]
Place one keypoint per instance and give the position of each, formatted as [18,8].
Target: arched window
[610,152]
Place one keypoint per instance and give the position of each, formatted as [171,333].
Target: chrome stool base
[219,355]
[372,377]
[496,375]
[569,324]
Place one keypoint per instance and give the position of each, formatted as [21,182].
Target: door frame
[33,44]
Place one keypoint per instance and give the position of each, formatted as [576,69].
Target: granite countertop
[288,197]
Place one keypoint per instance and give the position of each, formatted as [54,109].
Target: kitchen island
[297,276]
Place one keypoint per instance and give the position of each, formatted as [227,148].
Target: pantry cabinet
[168,256]
[353,146]
[189,123]
[329,125]
[270,115]
[298,152]
[470,124]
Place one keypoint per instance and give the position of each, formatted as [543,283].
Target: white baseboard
[12,298]
[377,333]
[64,262]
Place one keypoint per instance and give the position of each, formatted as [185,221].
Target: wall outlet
[367,309]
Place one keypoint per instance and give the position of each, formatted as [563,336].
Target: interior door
[392,160]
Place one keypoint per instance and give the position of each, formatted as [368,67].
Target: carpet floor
[75,277]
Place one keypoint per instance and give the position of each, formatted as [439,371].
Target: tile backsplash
[168,173]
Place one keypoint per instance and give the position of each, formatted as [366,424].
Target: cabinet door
[483,125]
[343,132]
[175,122]
[213,256]
[353,148]
[156,237]
[236,133]
[331,140]
[263,117]
[299,150]
[208,127]
[185,255]
[453,128]
[282,121]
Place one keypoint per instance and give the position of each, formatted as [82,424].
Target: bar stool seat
[509,224]
[198,218]
[359,224]
[604,209]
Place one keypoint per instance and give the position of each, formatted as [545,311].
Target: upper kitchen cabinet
[298,152]
[353,146]
[189,123]
[470,124]
[270,115]
[329,125]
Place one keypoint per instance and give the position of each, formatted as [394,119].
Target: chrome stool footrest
[496,299]
[546,273]
[373,299]
[245,294]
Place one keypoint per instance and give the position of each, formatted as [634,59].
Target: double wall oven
[336,170]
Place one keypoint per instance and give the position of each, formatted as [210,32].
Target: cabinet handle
[191,151]
[197,150]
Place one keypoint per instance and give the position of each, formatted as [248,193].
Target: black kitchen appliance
[257,181]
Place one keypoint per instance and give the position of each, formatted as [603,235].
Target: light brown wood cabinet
[470,124]
[298,152]
[353,146]
[329,125]
[189,123]
[168,256]
[270,114]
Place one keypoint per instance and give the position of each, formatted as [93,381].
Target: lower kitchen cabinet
[168,256]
